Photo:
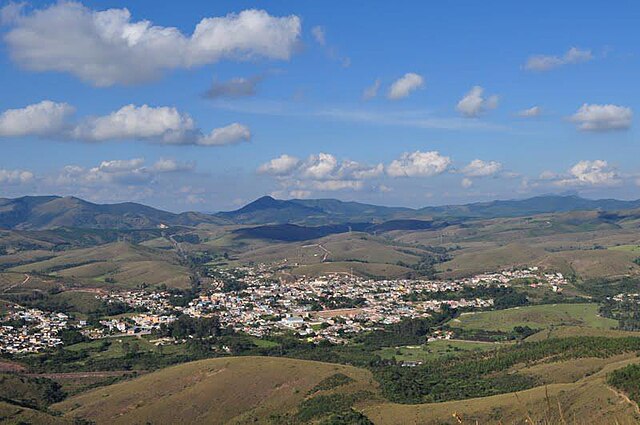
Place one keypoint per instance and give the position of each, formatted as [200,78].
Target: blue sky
[504,100]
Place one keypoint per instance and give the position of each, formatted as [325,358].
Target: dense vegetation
[627,379]
[484,374]
[35,393]
[627,313]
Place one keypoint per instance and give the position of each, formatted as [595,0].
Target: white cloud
[279,166]
[39,119]
[319,166]
[231,134]
[403,86]
[473,103]
[106,47]
[120,165]
[466,183]
[165,125]
[419,164]
[546,62]
[480,168]
[319,35]
[371,91]
[15,176]
[234,88]
[319,172]
[368,173]
[591,173]
[534,111]
[168,165]
[592,117]
[128,172]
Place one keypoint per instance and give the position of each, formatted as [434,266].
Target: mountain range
[47,212]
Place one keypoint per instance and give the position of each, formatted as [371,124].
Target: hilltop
[50,212]
[225,390]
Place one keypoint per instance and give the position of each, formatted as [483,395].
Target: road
[26,279]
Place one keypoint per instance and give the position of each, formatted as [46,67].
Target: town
[332,307]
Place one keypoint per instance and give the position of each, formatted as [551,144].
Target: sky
[206,105]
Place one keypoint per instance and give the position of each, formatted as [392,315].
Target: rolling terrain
[227,390]
[277,390]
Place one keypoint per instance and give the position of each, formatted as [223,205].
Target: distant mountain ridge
[267,210]
[48,212]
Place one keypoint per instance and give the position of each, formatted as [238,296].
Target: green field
[627,248]
[536,317]
[434,350]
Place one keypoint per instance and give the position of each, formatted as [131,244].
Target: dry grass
[226,390]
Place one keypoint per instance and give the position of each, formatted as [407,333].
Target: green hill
[226,390]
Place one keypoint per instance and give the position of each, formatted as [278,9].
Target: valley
[319,312]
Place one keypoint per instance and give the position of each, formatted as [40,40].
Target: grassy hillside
[227,390]
[127,265]
[536,317]
[244,390]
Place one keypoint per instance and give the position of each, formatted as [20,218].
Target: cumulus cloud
[546,62]
[480,168]
[534,111]
[231,134]
[414,164]
[117,171]
[165,125]
[279,166]
[591,117]
[107,47]
[319,166]
[15,176]
[590,173]
[39,119]
[319,172]
[403,86]
[371,91]
[234,88]
[474,103]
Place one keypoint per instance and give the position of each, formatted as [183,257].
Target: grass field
[434,350]
[536,317]
[626,248]
[128,265]
[571,331]
[227,390]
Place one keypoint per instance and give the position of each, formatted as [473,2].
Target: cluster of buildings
[332,307]
[30,331]
[154,302]
[532,274]
[327,308]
